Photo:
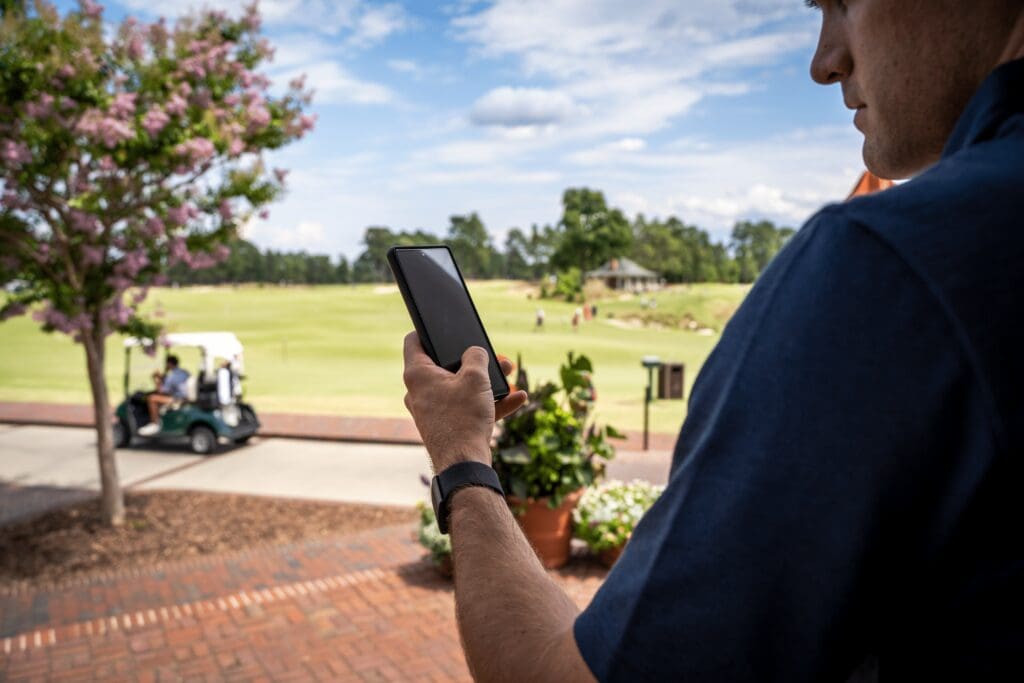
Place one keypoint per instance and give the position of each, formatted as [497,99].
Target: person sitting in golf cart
[172,386]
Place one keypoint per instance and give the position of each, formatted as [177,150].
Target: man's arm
[516,624]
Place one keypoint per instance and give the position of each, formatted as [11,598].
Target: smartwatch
[459,476]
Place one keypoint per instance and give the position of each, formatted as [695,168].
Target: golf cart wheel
[202,440]
[122,437]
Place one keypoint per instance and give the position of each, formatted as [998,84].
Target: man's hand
[454,412]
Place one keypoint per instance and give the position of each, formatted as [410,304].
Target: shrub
[607,514]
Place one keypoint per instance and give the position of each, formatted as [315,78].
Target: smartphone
[441,309]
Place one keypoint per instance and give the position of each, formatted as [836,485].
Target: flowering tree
[122,155]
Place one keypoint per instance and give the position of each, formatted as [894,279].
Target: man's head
[910,66]
[172,362]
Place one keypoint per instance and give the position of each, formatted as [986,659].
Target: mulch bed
[169,525]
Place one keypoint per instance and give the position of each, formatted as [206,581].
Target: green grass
[337,349]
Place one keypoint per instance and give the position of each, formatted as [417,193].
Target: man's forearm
[515,621]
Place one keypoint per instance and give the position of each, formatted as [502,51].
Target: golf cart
[212,410]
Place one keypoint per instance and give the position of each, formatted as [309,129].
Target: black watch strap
[459,476]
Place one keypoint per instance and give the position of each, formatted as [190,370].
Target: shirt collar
[1000,96]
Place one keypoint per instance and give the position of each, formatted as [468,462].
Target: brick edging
[27,587]
[383,430]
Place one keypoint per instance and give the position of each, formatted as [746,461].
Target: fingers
[509,404]
[506,366]
[413,350]
[474,361]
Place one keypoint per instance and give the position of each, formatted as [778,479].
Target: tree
[754,245]
[121,155]
[591,233]
[471,246]
[342,273]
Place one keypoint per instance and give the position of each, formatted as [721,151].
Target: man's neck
[1015,43]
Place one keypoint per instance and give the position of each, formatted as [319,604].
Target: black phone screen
[447,314]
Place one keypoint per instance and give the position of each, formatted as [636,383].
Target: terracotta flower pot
[549,531]
[610,556]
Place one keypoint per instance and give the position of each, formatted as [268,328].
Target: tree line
[588,234]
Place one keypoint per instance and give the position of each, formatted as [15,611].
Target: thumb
[474,360]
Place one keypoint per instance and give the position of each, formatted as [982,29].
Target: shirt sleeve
[819,468]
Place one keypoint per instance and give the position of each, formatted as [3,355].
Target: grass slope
[337,349]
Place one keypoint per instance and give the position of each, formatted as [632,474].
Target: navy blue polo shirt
[847,493]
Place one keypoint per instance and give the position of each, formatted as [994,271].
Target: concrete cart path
[46,467]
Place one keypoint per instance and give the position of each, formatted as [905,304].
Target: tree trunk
[112,497]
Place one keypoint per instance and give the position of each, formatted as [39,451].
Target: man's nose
[832,61]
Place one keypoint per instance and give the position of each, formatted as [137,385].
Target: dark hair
[172,360]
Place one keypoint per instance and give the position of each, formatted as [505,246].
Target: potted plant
[548,452]
[431,538]
[606,515]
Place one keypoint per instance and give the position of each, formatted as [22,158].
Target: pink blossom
[221,253]
[105,129]
[11,311]
[155,227]
[307,121]
[225,210]
[298,83]
[107,163]
[11,200]
[197,149]
[177,249]
[264,214]
[14,154]
[90,8]
[119,283]
[280,174]
[131,263]
[41,108]
[42,253]
[67,103]
[140,295]
[176,105]
[92,255]
[236,147]
[233,99]
[136,47]
[123,105]
[154,121]
[252,19]
[258,115]
[179,215]
[118,313]
[202,98]
[185,89]
[66,71]
[84,222]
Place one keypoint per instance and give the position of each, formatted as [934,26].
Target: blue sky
[702,109]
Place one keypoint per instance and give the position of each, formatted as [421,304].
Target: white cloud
[364,23]
[304,235]
[333,84]
[519,107]
[633,68]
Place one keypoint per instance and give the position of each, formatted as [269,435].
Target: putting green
[337,349]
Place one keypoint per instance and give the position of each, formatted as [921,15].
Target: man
[172,386]
[845,493]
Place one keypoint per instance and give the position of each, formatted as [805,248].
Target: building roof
[623,267]
[869,183]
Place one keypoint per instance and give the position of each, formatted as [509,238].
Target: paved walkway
[46,467]
[288,425]
[360,607]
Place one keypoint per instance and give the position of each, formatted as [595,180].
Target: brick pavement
[361,607]
[289,425]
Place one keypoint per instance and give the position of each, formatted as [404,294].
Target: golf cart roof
[217,344]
